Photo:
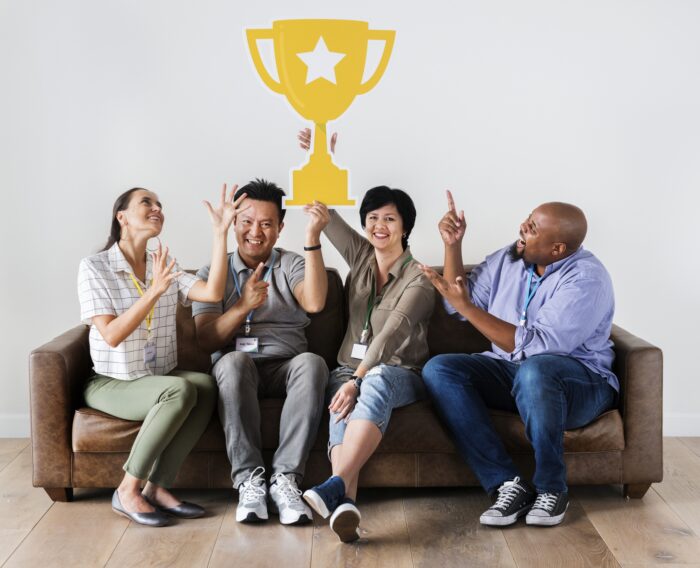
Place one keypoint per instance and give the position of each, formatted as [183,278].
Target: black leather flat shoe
[155,519]
[184,510]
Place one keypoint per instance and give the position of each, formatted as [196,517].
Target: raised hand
[223,216]
[304,138]
[456,293]
[452,226]
[163,275]
[319,217]
[344,401]
[255,290]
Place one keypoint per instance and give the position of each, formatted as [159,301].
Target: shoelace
[254,489]
[285,486]
[507,493]
[545,501]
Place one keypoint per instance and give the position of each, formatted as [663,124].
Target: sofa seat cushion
[413,429]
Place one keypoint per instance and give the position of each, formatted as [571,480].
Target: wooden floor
[435,528]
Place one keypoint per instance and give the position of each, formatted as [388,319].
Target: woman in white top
[129,298]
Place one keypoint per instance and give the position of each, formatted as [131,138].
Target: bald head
[567,224]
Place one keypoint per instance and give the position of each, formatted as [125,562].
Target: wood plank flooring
[427,528]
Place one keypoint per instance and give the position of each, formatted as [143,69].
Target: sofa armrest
[639,366]
[57,373]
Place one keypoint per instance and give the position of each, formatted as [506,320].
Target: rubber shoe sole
[494,521]
[345,522]
[546,521]
[315,501]
[302,519]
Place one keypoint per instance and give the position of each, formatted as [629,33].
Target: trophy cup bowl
[321,99]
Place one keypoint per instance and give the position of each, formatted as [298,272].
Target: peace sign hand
[452,226]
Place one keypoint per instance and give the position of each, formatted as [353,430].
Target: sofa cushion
[413,429]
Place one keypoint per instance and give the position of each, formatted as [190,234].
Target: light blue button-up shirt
[570,314]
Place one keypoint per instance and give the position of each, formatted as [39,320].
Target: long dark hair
[122,203]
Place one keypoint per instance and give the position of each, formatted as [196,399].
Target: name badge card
[247,344]
[149,354]
[358,351]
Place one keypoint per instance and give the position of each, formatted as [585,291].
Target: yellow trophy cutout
[320,64]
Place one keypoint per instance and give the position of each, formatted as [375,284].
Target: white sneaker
[252,498]
[286,500]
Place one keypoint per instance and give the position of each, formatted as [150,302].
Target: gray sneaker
[513,501]
[252,498]
[285,500]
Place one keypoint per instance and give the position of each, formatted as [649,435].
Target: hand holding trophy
[320,64]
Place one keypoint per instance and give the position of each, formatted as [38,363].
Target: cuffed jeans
[552,393]
[384,388]
[242,379]
[175,410]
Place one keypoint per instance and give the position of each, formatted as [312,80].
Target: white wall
[508,103]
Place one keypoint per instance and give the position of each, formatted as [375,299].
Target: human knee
[439,371]
[310,370]
[534,377]
[234,369]
[182,392]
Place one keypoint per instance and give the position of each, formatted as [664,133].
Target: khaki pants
[175,410]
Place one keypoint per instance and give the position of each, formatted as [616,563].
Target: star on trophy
[320,65]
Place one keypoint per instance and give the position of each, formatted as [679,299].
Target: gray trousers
[242,380]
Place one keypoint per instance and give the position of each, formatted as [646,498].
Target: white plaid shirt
[105,288]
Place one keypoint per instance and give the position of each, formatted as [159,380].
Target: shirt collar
[398,265]
[118,263]
[239,266]
[550,268]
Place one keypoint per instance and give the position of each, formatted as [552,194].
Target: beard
[514,254]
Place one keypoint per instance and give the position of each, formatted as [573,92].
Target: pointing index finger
[450,202]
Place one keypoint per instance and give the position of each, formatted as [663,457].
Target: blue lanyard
[249,317]
[529,294]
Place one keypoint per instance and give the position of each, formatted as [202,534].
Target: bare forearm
[218,333]
[213,289]
[454,266]
[499,332]
[315,280]
[121,327]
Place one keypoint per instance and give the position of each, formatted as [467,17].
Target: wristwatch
[358,382]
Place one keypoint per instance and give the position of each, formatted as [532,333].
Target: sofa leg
[62,494]
[635,490]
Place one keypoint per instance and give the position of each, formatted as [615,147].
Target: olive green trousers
[175,410]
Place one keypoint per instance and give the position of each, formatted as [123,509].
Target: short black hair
[263,190]
[382,195]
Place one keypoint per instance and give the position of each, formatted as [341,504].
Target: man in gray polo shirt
[256,335]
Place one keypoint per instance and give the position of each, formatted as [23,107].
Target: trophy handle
[388,36]
[253,37]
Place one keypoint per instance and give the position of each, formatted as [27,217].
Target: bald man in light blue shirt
[546,304]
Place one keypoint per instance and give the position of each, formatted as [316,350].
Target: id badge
[358,351]
[247,344]
[149,353]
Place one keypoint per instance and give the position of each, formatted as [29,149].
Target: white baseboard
[14,425]
[681,424]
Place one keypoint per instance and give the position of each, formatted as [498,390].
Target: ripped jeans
[384,388]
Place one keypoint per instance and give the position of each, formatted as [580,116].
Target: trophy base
[323,182]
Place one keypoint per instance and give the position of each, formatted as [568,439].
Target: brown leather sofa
[75,446]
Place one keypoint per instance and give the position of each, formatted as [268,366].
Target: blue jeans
[384,388]
[552,393]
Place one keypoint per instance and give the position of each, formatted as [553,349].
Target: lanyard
[529,294]
[370,306]
[149,316]
[249,317]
